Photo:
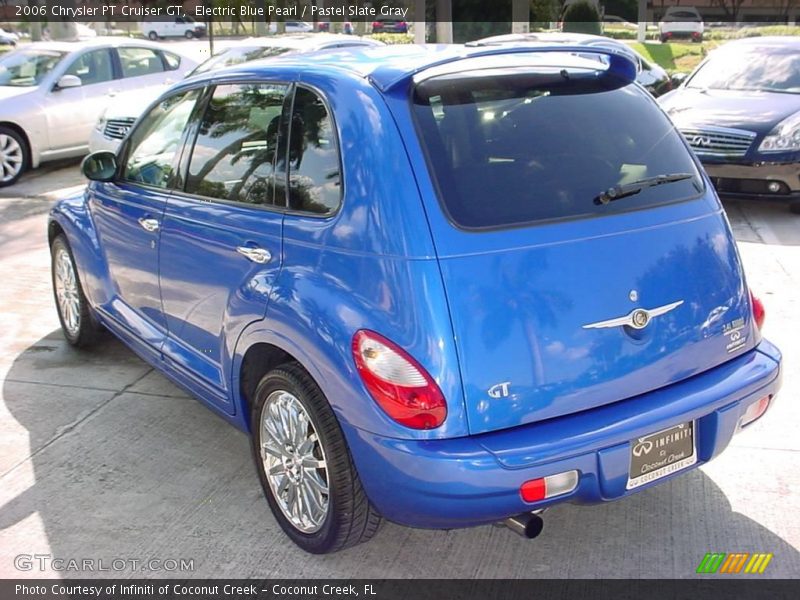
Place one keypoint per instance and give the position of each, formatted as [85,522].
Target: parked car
[740,112]
[325,27]
[8,38]
[115,122]
[681,22]
[185,27]
[292,27]
[52,92]
[650,76]
[446,326]
[389,26]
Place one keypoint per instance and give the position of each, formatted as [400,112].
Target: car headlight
[785,137]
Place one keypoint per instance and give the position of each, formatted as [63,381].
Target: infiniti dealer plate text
[660,454]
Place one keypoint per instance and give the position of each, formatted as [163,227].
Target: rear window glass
[507,147]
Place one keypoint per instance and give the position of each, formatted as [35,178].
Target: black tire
[188,35]
[88,329]
[153,36]
[350,518]
[664,39]
[794,207]
[16,147]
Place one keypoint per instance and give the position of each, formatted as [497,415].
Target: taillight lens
[398,383]
[376,23]
[758,310]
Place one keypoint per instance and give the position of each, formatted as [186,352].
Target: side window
[93,67]
[173,61]
[234,155]
[139,61]
[156,140]
[314,166]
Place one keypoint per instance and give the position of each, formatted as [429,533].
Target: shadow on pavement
[125,465]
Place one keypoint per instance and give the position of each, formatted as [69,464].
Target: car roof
[387,66]
[96,42]
[764,42]
[550,38]
[303,41]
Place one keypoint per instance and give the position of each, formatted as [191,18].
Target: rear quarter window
[510,148]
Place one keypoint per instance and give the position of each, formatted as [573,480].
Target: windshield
[754,69]
[515,147]
[238,55]
[27,68]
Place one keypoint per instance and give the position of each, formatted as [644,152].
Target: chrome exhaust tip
[528,525]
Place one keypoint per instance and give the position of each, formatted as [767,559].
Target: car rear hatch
[571,284]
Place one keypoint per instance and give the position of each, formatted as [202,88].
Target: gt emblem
[500,390]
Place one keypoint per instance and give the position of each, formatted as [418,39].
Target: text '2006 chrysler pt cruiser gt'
[442,286]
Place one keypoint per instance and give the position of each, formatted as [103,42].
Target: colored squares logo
[734,563]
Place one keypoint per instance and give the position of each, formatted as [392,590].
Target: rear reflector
[754,412]
[547,487]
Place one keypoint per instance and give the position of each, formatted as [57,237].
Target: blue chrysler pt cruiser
[443,286]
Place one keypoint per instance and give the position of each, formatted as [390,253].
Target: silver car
[52,92]
[114,124]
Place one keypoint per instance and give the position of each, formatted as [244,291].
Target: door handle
[257,255]
[150,225]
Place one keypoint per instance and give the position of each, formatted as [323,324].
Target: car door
[72,112]
[142,68]
[221,245]
[128,212]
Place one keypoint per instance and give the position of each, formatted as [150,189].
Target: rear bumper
[461,482]
[751,180]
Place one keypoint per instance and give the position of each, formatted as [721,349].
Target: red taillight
[376,24]
[759,314]
[533,490]
[398,383]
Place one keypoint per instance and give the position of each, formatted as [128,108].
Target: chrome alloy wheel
[294,462]
[67,295]
[10,157]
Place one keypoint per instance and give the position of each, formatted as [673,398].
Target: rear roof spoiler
[620,66]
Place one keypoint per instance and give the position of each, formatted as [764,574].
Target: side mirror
[68,81]
[677,79]
[100,166]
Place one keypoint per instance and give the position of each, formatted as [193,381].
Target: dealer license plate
[660,454]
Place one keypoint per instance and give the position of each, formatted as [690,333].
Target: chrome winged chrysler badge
[638,318]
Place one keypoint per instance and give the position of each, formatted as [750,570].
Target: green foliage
[544,11]
[627,9]
[582,17]
[393,38]
[723,34]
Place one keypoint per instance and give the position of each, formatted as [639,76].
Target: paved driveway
[101,458]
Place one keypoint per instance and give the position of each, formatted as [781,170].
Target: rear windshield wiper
[618,192]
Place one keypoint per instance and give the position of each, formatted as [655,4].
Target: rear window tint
[507,148]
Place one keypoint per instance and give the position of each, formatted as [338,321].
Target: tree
[582,17]
[730,7]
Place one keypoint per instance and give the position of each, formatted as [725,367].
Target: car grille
[117,129]
[717,142]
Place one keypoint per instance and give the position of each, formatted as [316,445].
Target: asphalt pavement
[101,458]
